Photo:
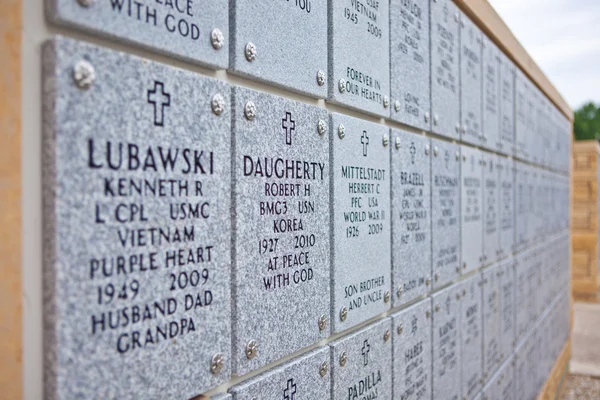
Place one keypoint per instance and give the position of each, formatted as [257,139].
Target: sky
[563,37]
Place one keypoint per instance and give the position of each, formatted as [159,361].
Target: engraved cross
[159,99]
[413,151]
[289,393]
[289,126]
[365,352]
[365,142]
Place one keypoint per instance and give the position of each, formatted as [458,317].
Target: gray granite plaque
[445,210]
[445,88]
[410,63]
[194,30]
[359,55]
[535,203]
[305,377]
[531,117]
[412,352]
[446,343]
[281,214]
[507,105]
[531,226]
[521,110]
[522,298]
[283,43]
[506,208]
[471,228]
[521,204]
[491,319]
[471,335]
[502,385]
[491,208]
[491,95]
[470,82]
[361,363]
[411,216]
[360,221]
[507,308]
[137,234]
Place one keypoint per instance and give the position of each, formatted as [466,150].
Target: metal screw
[426,149]
[437,308]
[436,151]
[322,322]
[457,296]
[427,314]
[465,265]
[397,142]
[218,104]
[217,363]
[386,296]
[464,293]
[400,290]
[426,117]
[251,349]
[250,110]
[85,3]
[457,128]
[217,39]
[458,269]
[343,359]
[400,329]
[341,131]
[320,78]
[84,74]
[457,155]
[322,127]
[343,313]
[250,51]
[428,281]
[397,105]
[436,119]
[342,85]
[464,158]
[437,276]
[386,140]
[387,335]
[456,17]
[324,368]
[386,102]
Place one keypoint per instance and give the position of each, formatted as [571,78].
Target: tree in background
[587,122]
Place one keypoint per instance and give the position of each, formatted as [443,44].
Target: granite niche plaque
[446,343]
[445,209]
[137,233]
[491,215]
[507,105]
[411,216]
[470,82]
[471,227]
[521,204]
[491,95]
[361,363]
[359,55]
[194,30]
[410,63]
[445,88]
[521,118]
[281,213]
[412,352]
[501,386]
[506,208]
[507,308]
[491,319]
[522,286]
[305,377]
[360,219]
[283,43]
[471,335]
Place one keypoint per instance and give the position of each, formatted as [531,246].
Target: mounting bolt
[387,335]
[436,151]
[341,131]
[456,17]
[426,149]
[400,290]
[342,85]
[386,296]
[322,127]
[426,117]
[322,322]
[217,39]
[457,128]
[343,314]
[324,368]
[457,155]
[437,308]
[251,349]
[400,329]
[84,74]
[386,140]
[216,363]
[320,78]
[250,51]
[343,359]
[427,314]
[397,142]
[437,276]
[218,104]
[250,110]
[85,3]
[386,102]
[436,119]
[397,105]
[428,281]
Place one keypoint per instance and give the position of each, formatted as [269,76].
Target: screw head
[387,335]
[341,131]
[386,102]
[397,105]
[436,119]
[465,265]
[250,51]
[426,117]
[436,276]
[218,104]
[85,3]
[436,151]
[216,363]
[457,156]
[428,281]
[320,78]
[343,314]
[427,314]
[456,17]
[84,74]
[457,128]
[397,142]
[386,140]
[457,296]
[437,308]
[343,359]
[324,368]
[386,296]
[251,349]
[426,149]
[322,322]
[217,39]
[342,85]
[458,269]
[322,127]
[400,329]
[250,110]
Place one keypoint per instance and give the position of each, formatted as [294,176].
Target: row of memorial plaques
[420,62]
[144,168]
